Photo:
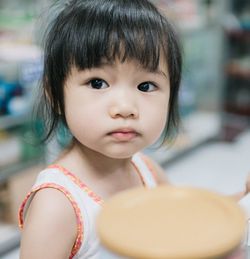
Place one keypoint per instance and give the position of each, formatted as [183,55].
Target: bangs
[117,46]
[104,33]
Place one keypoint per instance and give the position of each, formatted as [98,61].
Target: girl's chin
[121,154]
[114,151]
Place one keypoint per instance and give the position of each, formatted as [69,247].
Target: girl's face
[117,109]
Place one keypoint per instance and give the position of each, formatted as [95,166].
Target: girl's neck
[98,162]
[104,175]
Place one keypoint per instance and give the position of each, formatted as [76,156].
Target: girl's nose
[123,109]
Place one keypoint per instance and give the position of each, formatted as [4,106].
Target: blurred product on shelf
[4,202]
[236,95]
[240,67]
[238,18]
[19,145]
[12,192]
[9,238]
[20,70]
[242,10]
[199,128]
[189,15]
[10,149]
[214,100]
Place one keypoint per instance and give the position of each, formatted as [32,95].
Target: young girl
[111,75]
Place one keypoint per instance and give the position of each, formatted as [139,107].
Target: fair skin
[113,112]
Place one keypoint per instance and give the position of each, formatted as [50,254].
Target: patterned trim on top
[150,167]
[84,187]
[139,173]
[78,182]
[79,238]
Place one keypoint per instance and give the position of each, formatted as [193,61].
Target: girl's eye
[147,87]
[98,83]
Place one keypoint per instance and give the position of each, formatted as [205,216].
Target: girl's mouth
[123,134]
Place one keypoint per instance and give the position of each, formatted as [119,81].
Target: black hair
[87,31]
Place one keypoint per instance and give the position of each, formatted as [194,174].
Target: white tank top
[86,203]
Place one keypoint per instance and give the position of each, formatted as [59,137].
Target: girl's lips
[123,135]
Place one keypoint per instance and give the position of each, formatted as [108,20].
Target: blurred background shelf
[18,167]
[236,89]
[214,101]
[8,121]
[238,71]
[199,129]
[238,33]
[9,238]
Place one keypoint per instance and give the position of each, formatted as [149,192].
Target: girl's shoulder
[157,171]
[49,215]
[59,197]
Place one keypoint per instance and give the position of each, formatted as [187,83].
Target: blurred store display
[237,69]
[20,72]
[198,129]
[214,96]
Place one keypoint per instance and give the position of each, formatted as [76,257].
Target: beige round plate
[170,222]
